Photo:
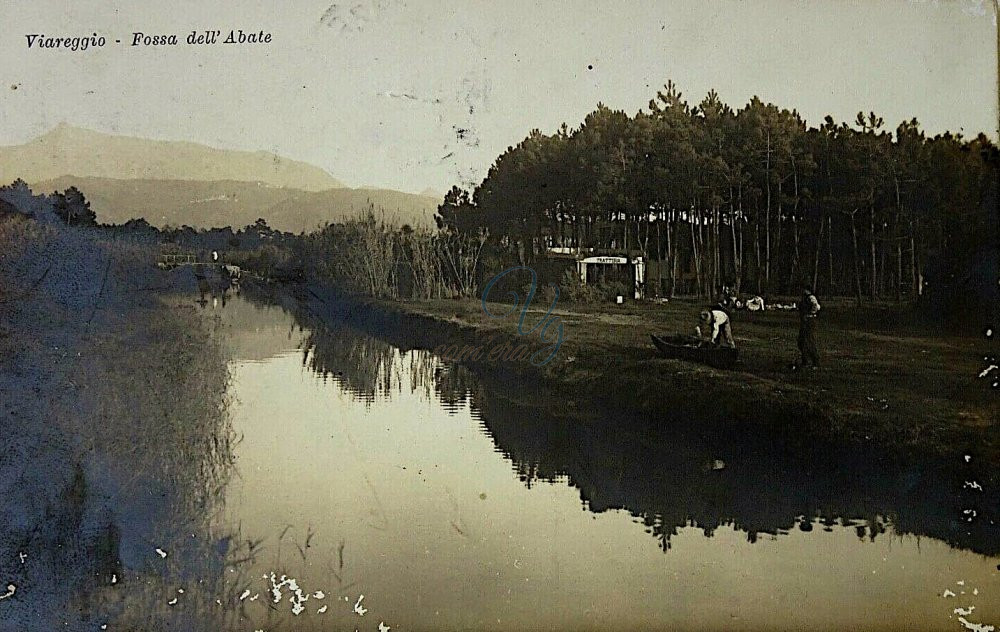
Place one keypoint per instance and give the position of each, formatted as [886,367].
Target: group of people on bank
[715,327]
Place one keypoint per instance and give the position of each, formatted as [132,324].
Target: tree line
[369,255]
[366,254]
[70,207]
[754,199]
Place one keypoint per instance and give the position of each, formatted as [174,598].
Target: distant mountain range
[67,150]
[177,183]
[237,204]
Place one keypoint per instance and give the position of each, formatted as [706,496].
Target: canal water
[392,489]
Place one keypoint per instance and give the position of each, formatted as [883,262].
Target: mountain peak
[61,128]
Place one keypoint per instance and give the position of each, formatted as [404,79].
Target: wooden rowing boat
[691,349]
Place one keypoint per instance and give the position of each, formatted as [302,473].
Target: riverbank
[888,384]
[115,441]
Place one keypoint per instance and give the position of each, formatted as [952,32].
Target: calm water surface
[451,504]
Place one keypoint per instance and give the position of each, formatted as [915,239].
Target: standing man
[808,309]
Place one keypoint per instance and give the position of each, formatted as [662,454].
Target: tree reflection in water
[364,367]
[674,473]
[671,474]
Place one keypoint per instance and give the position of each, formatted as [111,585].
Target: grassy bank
[887,381]
[116,441]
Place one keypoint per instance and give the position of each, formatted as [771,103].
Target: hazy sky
[425,93]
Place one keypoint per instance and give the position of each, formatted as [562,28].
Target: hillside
[232,203]
[85,153]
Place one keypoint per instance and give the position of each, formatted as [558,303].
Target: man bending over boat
[713,326]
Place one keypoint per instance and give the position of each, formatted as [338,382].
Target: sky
[416,94]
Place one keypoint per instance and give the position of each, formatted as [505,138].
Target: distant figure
[755,304]
[215,256]
[808,310]
[714,327]
[728,298]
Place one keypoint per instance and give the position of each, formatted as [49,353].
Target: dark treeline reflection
[369,369]
[364,367]
[674,473]
[671,475]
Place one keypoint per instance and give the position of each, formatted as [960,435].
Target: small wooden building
[620,268]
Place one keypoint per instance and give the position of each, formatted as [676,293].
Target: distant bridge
[173,260]
[170,261]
